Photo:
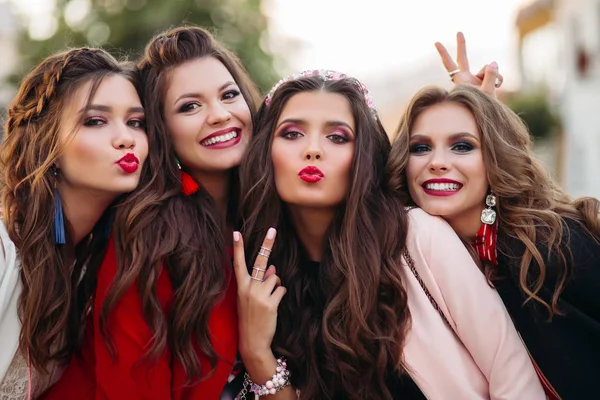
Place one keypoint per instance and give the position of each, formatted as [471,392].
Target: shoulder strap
[411,265]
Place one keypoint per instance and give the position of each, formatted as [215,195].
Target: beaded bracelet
[280,380]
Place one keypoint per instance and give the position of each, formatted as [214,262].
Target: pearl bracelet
[280,380]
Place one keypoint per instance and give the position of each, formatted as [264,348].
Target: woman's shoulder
[427,232]
[8,253]
[423,225]
[575,237]
[419,217]
[576,233]
[10,290]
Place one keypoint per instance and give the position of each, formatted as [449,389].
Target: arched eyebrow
[200,95]
[303,122]
[454,136]
[99,107]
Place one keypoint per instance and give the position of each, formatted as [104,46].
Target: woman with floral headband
[75,141]
[367,301]
[466,157]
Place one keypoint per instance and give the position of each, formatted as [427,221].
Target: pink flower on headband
[326,75]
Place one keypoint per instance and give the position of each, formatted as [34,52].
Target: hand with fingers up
[488,79]
[259,295]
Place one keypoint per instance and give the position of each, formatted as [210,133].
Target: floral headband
[326,75]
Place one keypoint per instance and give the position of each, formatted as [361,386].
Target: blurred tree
[123,27]
[537,113]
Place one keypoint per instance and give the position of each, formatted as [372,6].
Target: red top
[94,374]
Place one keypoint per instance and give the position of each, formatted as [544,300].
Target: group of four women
[167,235]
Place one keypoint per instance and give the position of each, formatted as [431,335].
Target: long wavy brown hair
[52,304]
[531,207]
[342,326]
[159,227]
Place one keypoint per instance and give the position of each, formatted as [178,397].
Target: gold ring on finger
[256,279]
[452,73]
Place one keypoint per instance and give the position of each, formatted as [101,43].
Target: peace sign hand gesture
[488,79]
[259,295]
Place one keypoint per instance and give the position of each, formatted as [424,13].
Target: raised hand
[259,295]
[487,79]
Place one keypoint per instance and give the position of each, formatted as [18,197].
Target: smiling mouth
[220,139]
[443,187]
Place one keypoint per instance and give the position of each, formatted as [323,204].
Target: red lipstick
[311,174]
[441,187]
[129,163]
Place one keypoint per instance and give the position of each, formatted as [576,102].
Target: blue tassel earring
[59,220]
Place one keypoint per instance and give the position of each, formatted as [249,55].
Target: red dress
[94,374]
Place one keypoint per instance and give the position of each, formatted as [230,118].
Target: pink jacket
[482,356]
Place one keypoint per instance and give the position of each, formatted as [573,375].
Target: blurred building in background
[559,55]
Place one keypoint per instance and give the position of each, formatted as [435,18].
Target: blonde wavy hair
[531,207]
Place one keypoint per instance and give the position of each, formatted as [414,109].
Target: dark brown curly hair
[341,326]
[159,227]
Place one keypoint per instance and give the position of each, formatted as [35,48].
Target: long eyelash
[141,121]
[468,145]
[339,138]
[414,147]
[187,107]
[89,120]
[232,92]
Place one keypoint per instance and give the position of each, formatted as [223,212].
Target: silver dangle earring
[488,215]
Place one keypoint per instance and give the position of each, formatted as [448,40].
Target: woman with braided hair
[75,142]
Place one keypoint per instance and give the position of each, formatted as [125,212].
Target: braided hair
[52,305]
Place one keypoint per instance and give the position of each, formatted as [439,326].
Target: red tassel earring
[189,186]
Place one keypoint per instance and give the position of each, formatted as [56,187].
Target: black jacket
[567,348]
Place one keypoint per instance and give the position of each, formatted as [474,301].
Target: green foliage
[535,110]
[123,27]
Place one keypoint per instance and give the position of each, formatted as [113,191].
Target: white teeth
[220,139]
[442,186]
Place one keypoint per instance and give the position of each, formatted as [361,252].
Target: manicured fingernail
[270,233]
[494,65]
[236,236]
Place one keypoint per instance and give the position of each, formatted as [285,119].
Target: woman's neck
[311,225]
[218,187]
[467,224]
